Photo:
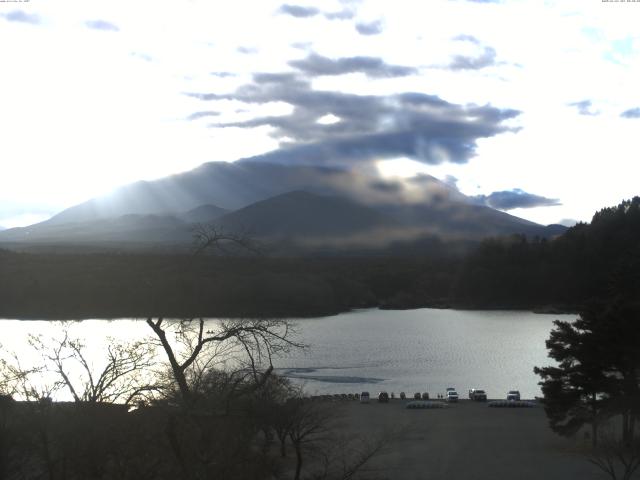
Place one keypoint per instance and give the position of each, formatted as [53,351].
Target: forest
[587,261]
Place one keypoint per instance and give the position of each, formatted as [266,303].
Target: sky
[530,106]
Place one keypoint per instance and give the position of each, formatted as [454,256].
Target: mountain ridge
[299,203]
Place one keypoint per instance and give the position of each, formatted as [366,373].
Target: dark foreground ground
[469,441]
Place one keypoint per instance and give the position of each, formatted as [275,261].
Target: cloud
[298,11]
[412,125]
[22,17]
[516,198]
[631,113]
[451,181]
[386,186]
[223,74]
[288,78]
[318,65]
[485,59]
[466,38]
[346,14]
[584,107]
[142,56]
[197,115]
[371,28]
[247,50]
[302,45]
[102,25]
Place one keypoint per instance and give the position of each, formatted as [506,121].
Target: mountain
[302,214]
[226,185]
[306,204]
[202,214]
[130,228]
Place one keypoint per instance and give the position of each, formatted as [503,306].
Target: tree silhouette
[598,372]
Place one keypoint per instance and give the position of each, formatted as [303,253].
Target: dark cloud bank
[415,125]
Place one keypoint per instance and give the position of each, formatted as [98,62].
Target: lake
[373,350]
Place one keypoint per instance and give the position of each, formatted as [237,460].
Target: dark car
[425,396]
[383,397]
[477,395]
[417,396]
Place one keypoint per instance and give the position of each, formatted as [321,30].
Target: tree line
[595,383]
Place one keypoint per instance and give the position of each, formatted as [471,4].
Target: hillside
[302,214]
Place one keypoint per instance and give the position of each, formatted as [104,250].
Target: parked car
[402,396]
[417,396]
[383,397]
[425,396]
[513,395]
[477,395]
[452,396]
[364,397]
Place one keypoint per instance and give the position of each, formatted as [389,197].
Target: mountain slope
[304,214]
[131,228]
[227,185]
[202,214]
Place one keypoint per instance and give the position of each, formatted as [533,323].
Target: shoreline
[547,310]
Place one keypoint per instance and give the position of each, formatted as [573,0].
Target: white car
[452,396]
[513,395]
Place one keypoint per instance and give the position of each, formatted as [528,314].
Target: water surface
[373,350]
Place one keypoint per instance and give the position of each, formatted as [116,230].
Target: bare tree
[125,374]
[26,383]
[321,450]
[251,344]
[309,425]
[214,238]
[618,458]
[348,458]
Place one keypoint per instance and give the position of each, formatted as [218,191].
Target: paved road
[468,441]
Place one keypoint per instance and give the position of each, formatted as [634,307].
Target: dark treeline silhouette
[595,385]
[587,261]
[110,285]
